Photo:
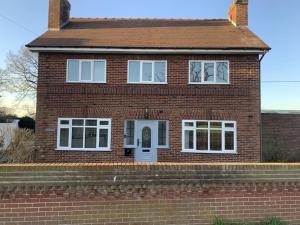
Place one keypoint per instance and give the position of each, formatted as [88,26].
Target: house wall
[239,101]
[118,194]
[281,133]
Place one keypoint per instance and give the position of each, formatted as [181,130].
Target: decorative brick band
[162,91]
[147,175]
[162,193]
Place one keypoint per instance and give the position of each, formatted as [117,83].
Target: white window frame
[208,151]
[167,135]
[135,134]
[98,127]
[92,61]
[153,71]
[215,71]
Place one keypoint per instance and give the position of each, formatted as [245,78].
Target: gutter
[263,55]
[147,51]
[260,110]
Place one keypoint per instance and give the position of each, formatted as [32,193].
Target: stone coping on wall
[116,174]
[145,164]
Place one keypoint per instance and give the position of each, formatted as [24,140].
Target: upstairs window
[86,71]
[147,72]
[209,72]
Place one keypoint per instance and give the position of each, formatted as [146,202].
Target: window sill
[83,150]
[210,152]
[148,83]
[84,82]
[207,83]
[163,147]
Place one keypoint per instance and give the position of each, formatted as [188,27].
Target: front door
[146,150]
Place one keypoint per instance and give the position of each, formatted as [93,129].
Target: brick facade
[238,13]
[59,13]
[148,194]
[281,134]
[239,101]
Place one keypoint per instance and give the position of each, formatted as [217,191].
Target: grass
[272,221]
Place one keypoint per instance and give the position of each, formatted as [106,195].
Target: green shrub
[272,221]
[27,123]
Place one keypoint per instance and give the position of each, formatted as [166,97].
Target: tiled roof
[150,33]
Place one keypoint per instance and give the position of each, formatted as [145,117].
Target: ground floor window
[162,133]
[209,136]
[84,134]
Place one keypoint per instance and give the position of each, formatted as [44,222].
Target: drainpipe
[260,115]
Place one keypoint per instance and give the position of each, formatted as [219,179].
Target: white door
[146,150]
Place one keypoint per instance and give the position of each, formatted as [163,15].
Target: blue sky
[275,21]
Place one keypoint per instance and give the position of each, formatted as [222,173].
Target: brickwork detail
[281,132]
[239,101]
[148,193]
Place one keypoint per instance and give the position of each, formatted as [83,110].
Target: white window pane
[129,133]
[86,71]
[91,122]
[134,72]
[147,72]
[188,139]
[73,70]
[64,122]
[77,137]
[222,72]
[216,125]
[64,137]
[99,71]
[229,125]
[90,137]
[189,124]
[202,124]
[208,72]
[215,140]
[104,123]
[202,140]
[229,140]
[162,133]
[103,138]
[195,72]
[77,122]
[160,72]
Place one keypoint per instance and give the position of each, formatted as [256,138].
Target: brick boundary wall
[164,193]
[281,132]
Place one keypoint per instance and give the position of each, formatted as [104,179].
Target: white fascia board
[145,51]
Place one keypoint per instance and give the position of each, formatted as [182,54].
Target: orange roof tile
[150,33]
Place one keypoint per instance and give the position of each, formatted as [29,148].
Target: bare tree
[3,80]
[22,68]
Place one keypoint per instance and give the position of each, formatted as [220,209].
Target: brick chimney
[238,13]
[59,13]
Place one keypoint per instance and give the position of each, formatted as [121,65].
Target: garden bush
[272,221]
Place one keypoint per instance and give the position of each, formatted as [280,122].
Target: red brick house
[176,90]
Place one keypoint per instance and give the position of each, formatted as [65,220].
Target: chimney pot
[59,14]
[238,13]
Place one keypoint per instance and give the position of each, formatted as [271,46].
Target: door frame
[140,124]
